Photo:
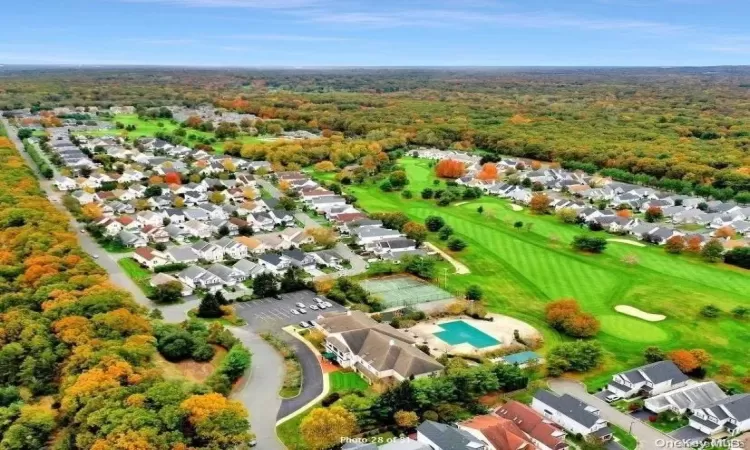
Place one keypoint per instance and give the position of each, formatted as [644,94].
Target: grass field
[148,128]
[138,274]
[521,270]
[347,381]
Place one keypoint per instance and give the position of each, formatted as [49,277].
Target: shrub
[203,352]
[710,311]
[589,244]
[434,223]
[456,244]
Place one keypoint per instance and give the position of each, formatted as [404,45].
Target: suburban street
[648,438]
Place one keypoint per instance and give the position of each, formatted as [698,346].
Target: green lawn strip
[522,270]
[289,431]
[667,423]
[625,439]
[347,381]
[138,274]
[193,314]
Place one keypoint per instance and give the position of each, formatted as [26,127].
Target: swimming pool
[460,332]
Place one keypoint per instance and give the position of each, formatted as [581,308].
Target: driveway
[312,379]
[648,437]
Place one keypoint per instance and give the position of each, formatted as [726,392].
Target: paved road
[260,391]
[116,274]
[648,438]
[312,379]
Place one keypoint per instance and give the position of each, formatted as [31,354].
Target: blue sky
[376,32]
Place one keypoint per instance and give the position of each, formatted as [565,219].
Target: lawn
[149,128]
[521,270]
[625,439]
[138,274]
[289,432]
[347,381]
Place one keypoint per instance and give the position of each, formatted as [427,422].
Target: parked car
[328,304]
[612,398]
[302,311]
[95,256]
[300,305]
[319,300]
[322,306]
[294,311]
[304,324]
[314,307]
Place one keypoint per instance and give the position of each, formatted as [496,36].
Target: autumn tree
[539,203]
[565,315]
[415,231]
[216,197]
[450,168]
[325,166]
[675,245]
[323,236]
[324,428]
[488,172]
[92,211]
[693,244]
[725,232]
[684,359]
[653,214]
[216,419]
[624,213]
[567,215]
[172,178]
[406,419]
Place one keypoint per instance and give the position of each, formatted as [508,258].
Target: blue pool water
[460,332]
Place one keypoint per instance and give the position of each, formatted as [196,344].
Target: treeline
[76,353]
[39,160]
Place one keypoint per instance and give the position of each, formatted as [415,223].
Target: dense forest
[77,354]
[677,128]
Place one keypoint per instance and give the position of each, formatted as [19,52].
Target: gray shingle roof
[447,437]
[568,406]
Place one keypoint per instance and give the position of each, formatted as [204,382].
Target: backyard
[138,274]
[522,269]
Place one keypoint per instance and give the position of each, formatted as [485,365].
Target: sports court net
[404,291]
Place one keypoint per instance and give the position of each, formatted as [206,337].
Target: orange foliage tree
[450,168]
[539,203]
[488,172]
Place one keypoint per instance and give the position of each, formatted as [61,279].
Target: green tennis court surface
[404,290]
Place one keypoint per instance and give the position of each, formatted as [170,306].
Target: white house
[65,183]
[571,414]
[731,415]
[376,351]
[197,229]
[690,397]
[149,257]
[208,251]
[231,248]
[198,277]
[652,379]
[369,235]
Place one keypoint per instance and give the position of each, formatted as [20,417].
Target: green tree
[712,251]
[474,292]
[654,354]
[589,244]
[434,223]
[170,292]
[209,307]
[445,233]
[456,244]
[265,285]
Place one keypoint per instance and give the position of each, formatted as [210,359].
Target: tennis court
[404,290]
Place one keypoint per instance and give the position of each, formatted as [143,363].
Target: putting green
[633,330]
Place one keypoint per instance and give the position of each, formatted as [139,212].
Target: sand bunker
[635,312]
[515,207]
[625,241]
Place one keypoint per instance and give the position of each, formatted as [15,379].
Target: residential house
[651,379]
[197,229]
[228,275]
[298,258]
[295,237]
[248,268]
[253,245]
[231,248]
[571,414]
[163,278]
[195,214]
[148,257]
[282,217]
[498,433]
[440,436]
[542,433]
[176,233]
[366,236]
[208,251]
[83,197]
[273,262]
[65,183]
[261,221]
[175,215]
[322,204]
[182,255]
[150,218]
[198,277]
[689,397]
[376,351]
[394,247]
[129,239]
[328,258]
[110,227]
[730,415]
[157,235]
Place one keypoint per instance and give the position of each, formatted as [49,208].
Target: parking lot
[269,314]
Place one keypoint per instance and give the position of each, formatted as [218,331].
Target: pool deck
[500,328]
